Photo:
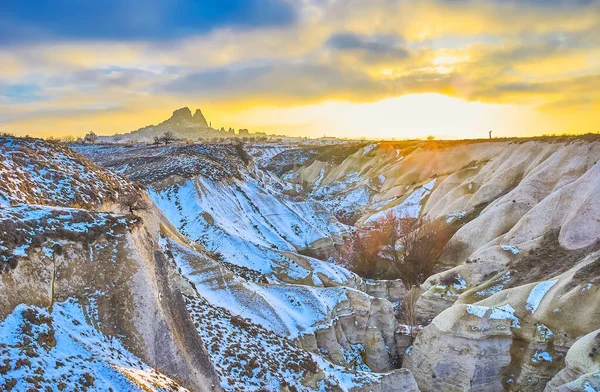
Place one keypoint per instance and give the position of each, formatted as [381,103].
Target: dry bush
[167,137]
[363,253]
[412,245]
[419,245]
[409,316]
[399,248]
[133,202]
[241,152]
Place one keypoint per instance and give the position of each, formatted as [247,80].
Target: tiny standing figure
[490,133]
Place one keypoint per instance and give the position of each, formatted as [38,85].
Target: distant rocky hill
[183,125]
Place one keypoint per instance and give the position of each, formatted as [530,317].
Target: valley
[237,270]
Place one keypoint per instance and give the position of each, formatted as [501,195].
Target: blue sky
[123,20]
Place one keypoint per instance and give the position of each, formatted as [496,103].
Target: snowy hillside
[521,269]
[230,278]
[252,315]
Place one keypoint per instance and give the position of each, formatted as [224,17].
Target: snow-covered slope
[520,276]
[86,302]
[150,305]
[243,268]
[233,209]
[60,349]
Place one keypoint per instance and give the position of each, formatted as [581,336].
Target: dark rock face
[181,114]
[199,118]
[185,115]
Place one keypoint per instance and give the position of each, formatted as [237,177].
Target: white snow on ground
[537,294]
[496,288]
[53,175]
[246,210]
[27,221]
[410,207]
[369,148]
[505,312]
[249,357]
[62,351]
[477,310]
[455,215]
[319,179]
[262,153]
[540,356]
[333,188]
[250,228]
[353,200]
[512,249]
[461,283]
[544,331]
[288,310]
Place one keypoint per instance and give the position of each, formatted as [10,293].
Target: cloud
[281,81]
[20,93]
[84,58]
[375,48]
[118,20]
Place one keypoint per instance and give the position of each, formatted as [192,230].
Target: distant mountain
[182,124]
[184,115]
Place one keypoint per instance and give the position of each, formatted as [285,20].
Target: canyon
[234,275]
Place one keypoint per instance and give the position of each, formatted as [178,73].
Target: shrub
[363,253]
[409,315]
[244,156]
[399,248]
[134,202]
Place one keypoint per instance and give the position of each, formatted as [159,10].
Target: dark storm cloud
[377,46]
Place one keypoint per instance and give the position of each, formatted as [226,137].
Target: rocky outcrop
[124,287]
[582,370]
[360,331]
[185,115]
[392,290]
[199,118]
[179,115]
[516,339]
[99,269]
[182,124]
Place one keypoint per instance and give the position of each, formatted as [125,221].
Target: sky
[346,68]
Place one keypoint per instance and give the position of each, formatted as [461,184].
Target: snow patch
[537,294]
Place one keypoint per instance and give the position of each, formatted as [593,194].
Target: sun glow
[414,115]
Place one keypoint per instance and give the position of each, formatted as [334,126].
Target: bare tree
[68,139]
[168,137]
[90,137]
[363,253]
[157,141]
[390,229]
[411,246]
[419,245]
[134,202]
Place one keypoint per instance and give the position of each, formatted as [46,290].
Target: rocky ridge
[518,286]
